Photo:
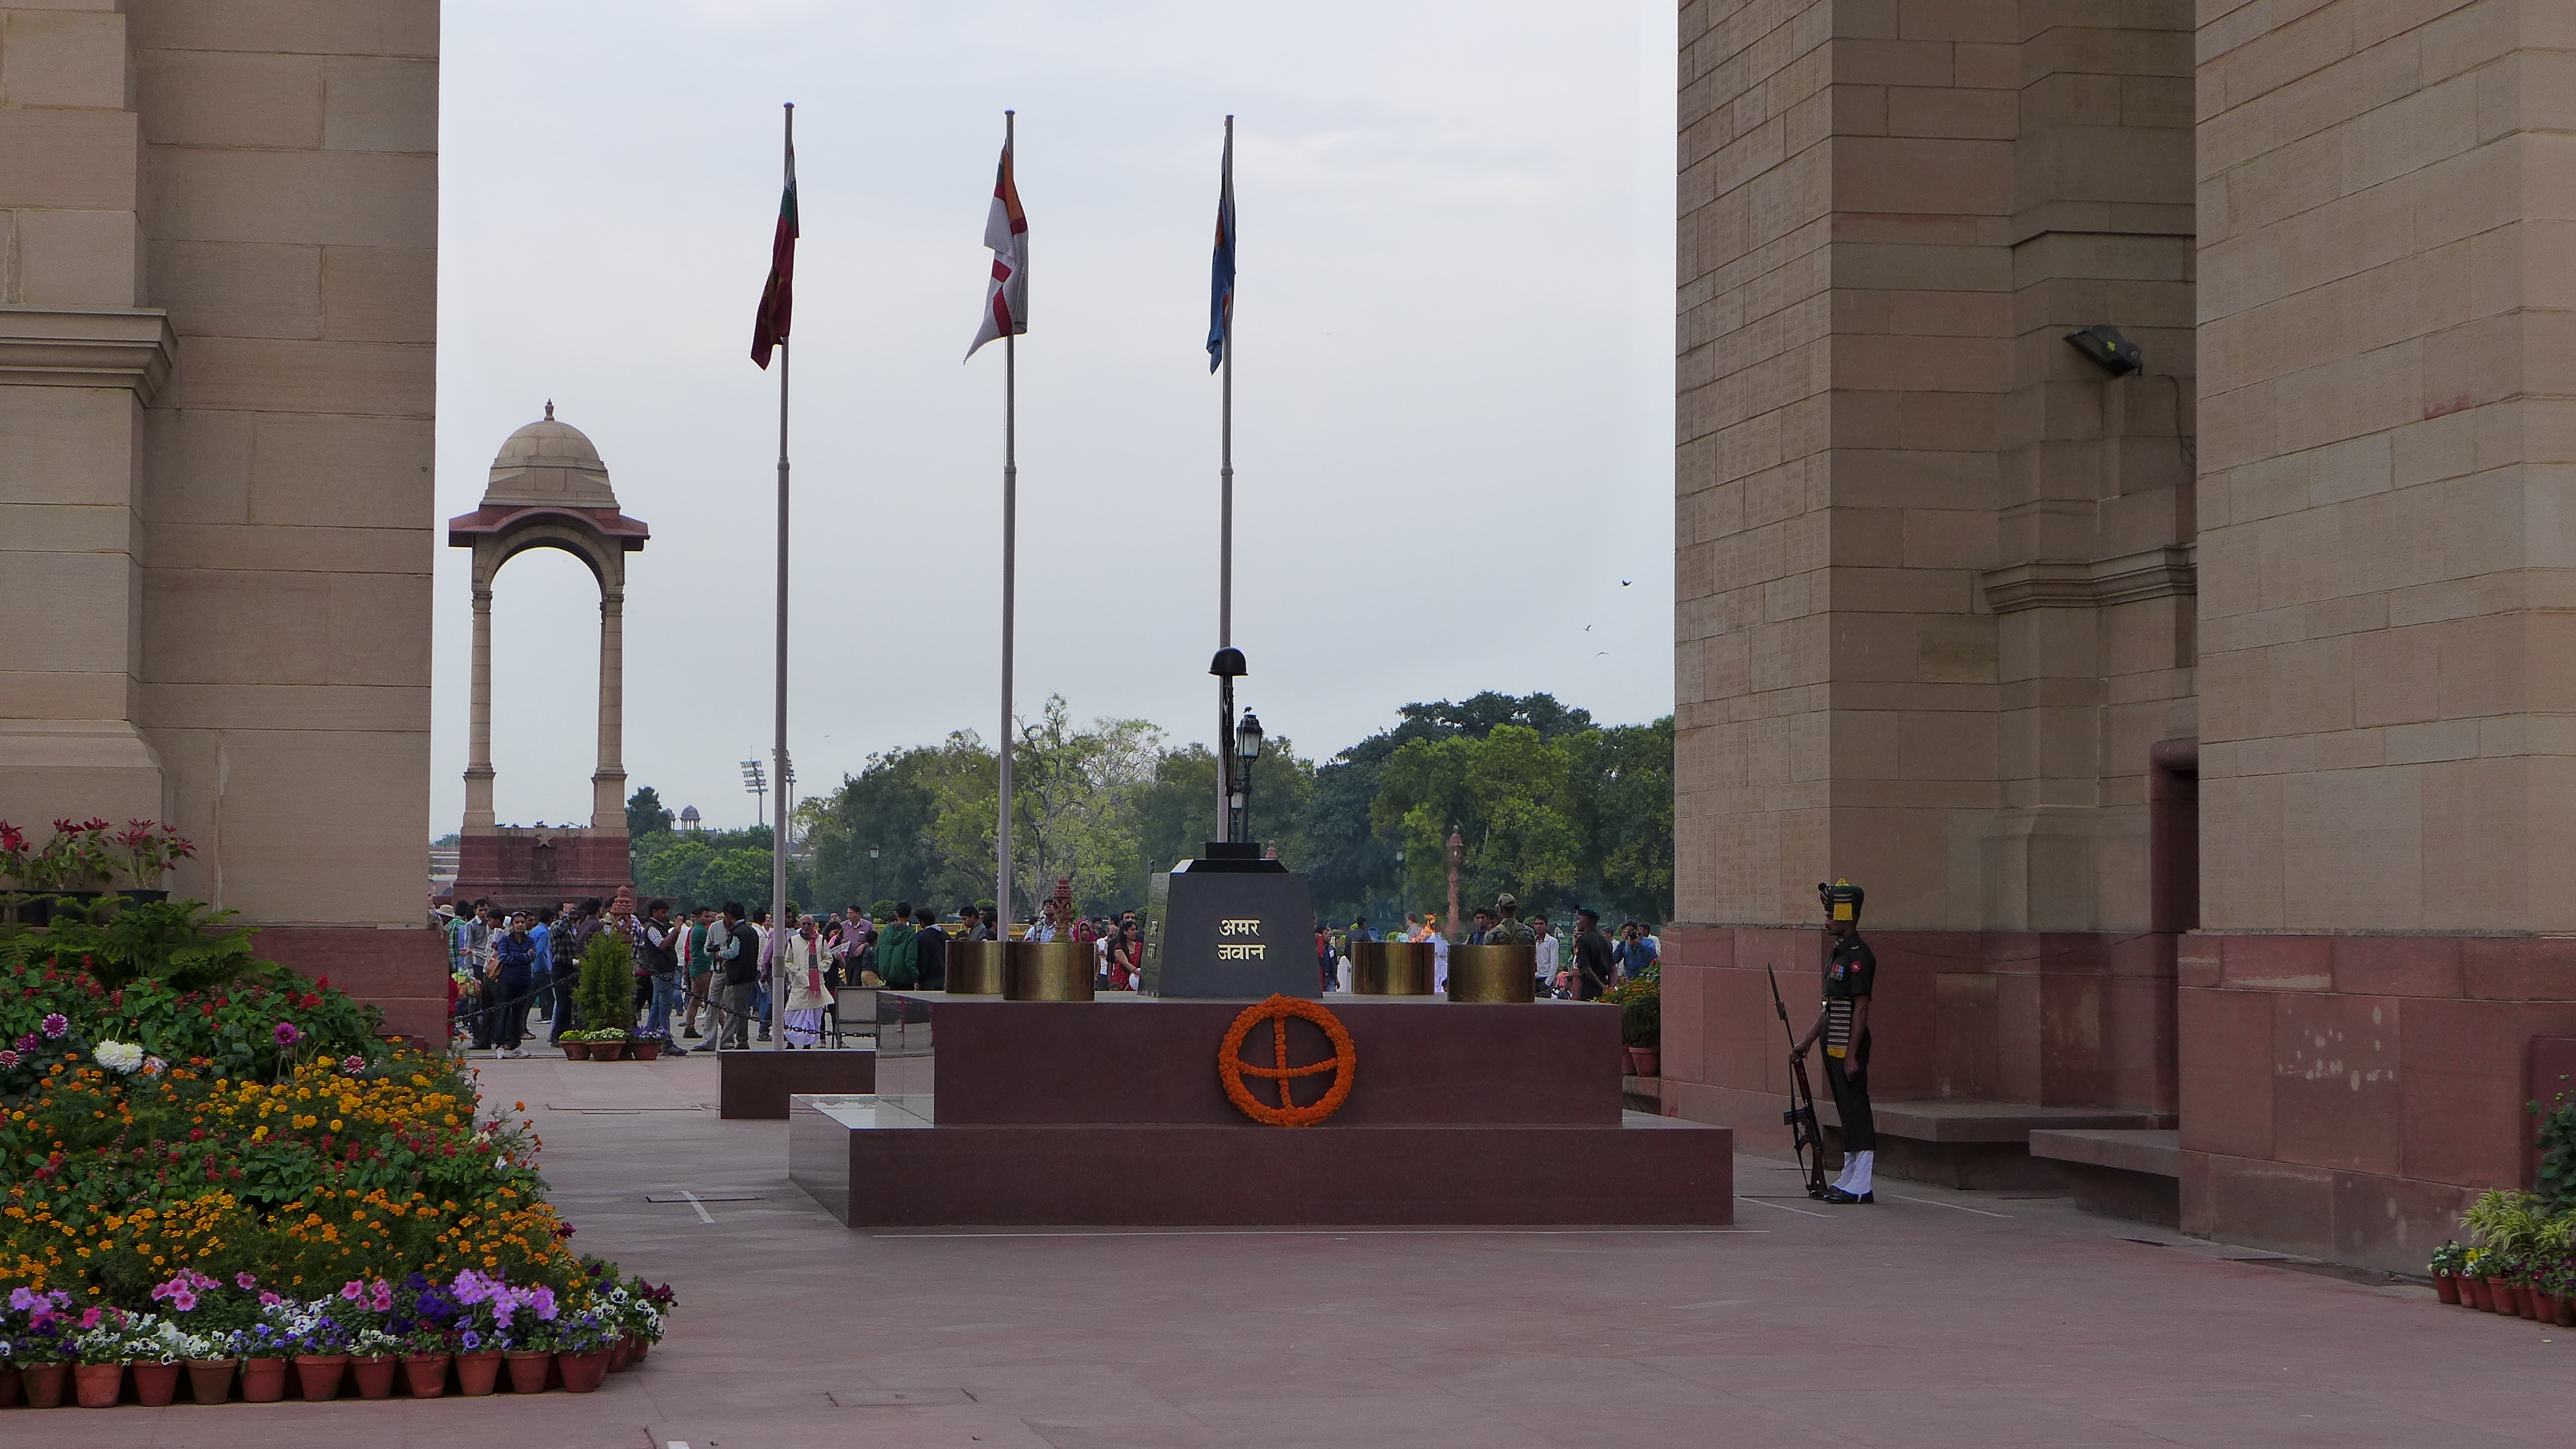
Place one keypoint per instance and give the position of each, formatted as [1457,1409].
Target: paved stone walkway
[1931,1319]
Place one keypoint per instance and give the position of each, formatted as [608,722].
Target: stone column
[608,783]
[478,758]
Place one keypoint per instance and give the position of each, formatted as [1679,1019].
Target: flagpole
[1010,569]
[778,835]
[1225,550]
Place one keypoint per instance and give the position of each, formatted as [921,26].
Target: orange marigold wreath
[1231,1068]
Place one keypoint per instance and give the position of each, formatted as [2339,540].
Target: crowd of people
[707,976]
[1579,969]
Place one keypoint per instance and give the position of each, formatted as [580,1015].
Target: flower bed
[240,1176]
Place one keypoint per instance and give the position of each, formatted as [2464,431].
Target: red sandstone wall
[401,972]
[2349,1094]
[2057,1019]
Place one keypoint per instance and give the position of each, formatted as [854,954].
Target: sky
[1453,376]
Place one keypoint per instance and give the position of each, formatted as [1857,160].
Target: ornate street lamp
[1247,748]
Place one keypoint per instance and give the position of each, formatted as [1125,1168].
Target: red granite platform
[1111,1113]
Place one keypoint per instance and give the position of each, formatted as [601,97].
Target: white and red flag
[1006,231]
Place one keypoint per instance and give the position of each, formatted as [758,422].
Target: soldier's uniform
[1510,930]
[1850,974]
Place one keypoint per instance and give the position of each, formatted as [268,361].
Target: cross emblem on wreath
[1231,1068]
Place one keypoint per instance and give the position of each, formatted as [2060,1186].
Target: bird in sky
[1623,583]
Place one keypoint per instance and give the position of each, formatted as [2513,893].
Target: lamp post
[874,892]
[1457,852]
[1247,748]
[1228,667]
[756,783]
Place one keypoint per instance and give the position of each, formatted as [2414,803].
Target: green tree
[645,815]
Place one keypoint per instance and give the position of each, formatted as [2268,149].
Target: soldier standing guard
[1844,1024]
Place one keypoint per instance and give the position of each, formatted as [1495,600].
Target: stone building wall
[217,379]
[1933,566]
[2388,682]
[2202,736]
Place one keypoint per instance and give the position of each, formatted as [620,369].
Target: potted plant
[146,848]
[575,1044]
[40,1346]
[2448,1260]
[583,1342]
[99,1355]
[1641,1030]
[525,1317]
[267,1352]
[427,1324]
[321,1350]
[157,1346]
[646,1045]
[604,994]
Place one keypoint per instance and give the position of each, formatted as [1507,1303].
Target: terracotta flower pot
[607,1051]
[1650,1060]
[426,1374]
[2545,1306]
[319,1375]
[477,1373]
[2446,1288]
[43,1383]
[2500,1298]
[646,1051]
[375,1375]
[620,1354]
[583,1372]
[263,1380]
[210,1380]
[575,1051]
[528,1370]
[637,1348]
[98,1384]
[8,1386]
[156,1384]
[2567,1312]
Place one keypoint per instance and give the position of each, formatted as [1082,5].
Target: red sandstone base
[402,973]
[1656,1171]
[757,1084]
[1111,1113]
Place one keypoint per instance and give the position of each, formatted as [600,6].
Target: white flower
[118,1056]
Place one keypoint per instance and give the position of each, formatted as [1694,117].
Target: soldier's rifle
[1804,1136]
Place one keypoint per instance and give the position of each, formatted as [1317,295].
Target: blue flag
[1221,271]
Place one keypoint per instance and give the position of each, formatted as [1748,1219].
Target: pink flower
[245,1281]
[8,1059]
[269,1300]
[184,1300]
[89,1318]
[353,1064]
[56,1024]
[352,1289]
[288,1034]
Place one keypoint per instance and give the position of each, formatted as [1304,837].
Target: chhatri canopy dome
[549,468]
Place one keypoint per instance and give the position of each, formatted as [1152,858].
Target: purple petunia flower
[543,1300]
[269,1300]
[184,1300]
[245,1281]
[56,1024]
[288,1034]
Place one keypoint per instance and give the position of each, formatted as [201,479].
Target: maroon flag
[777,298]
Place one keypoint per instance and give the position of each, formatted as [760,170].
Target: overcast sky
[1453,400]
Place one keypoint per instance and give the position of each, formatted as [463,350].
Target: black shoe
[1837,1195]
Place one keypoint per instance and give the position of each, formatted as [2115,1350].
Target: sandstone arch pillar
[478,754]
[608,783]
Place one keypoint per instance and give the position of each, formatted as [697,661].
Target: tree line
[1547,804]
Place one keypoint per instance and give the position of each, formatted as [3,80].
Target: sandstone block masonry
[218,248]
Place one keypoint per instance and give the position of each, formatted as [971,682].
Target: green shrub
[1641,1020]
[604,996]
